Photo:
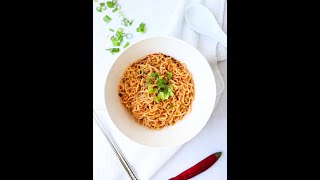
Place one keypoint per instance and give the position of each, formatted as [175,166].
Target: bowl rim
[161,146]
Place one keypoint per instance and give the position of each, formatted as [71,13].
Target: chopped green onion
[102,7]
[150,89]
[161,96]
[170,87]
[126,45]
[118,7]
[114,1]
[169,75]
[141,28]
[155,91]
[155,75]
[170,92]
[166,96]
[160,82]
[120,38]
[120,30]
[110,4]
[165,89]
[119,34]
[162,90]
[156,99]
[111,30]
[113,50]
[98,9]
[107,19]
[115,41]
[128,36]
[126,22]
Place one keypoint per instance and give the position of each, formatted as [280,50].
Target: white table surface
[209,140]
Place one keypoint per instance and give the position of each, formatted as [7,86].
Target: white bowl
[202,106]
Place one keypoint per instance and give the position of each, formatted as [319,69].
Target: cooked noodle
[133,91]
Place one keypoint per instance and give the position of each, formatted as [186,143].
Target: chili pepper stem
[218,154]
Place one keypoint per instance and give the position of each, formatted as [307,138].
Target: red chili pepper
[198,168]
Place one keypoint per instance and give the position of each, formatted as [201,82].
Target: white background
[213,137]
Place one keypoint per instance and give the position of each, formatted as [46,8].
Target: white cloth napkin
[146,162]
[207,46]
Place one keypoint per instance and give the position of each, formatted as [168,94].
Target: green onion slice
[113,50]
[98,9]
[156,99]
[107,19]
[110,4]
[126,45]
[150,89]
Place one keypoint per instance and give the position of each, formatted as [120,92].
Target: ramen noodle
[158,90]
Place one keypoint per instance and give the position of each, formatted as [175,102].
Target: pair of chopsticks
[116,149]
[187,174]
